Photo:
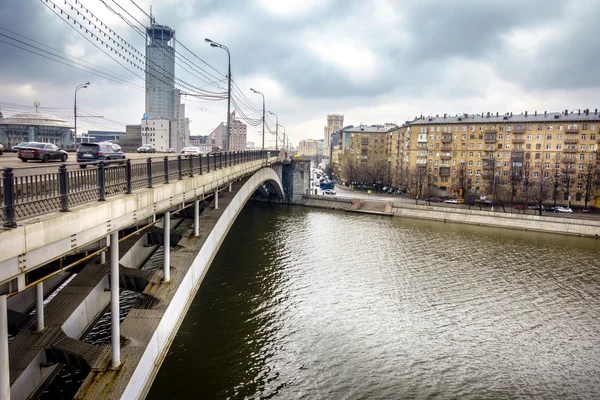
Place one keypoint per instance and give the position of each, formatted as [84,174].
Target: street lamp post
[81,86]
[263,117]
[284,142]
[228,139]
[276,131]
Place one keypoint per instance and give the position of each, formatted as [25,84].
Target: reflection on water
[310,304]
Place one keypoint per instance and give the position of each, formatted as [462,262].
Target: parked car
[520,207]
[1,149]
[586,210]
[146,149]
[536,207]
[451,201]
[436,200]
[42,152]
[191,150]
[88,152]
[170,150]
[551,209]
[20,146]
[563,210]
[329,191]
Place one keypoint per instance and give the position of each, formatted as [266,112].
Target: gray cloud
[421,49]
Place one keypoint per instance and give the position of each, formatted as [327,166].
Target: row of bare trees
[558,182]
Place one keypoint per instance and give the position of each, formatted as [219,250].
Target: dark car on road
[19,146]
[146,149]
[42,152]
[89,152]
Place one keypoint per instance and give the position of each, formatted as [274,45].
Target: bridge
[70,220]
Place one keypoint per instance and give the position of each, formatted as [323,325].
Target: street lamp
[283,136]
[263,117]
[215,44]
[276,131]
[81,86]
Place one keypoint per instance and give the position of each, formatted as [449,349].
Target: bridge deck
[139,326]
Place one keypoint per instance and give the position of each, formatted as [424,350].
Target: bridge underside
[149,331]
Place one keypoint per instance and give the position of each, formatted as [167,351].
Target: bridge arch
[158,346]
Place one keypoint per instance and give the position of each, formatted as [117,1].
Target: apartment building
[362,154]
[308,147]
[456,155]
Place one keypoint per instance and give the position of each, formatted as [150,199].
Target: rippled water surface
[310,304]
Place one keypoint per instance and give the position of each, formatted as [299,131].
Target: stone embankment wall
[527,222]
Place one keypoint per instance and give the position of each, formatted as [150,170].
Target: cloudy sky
[373,61]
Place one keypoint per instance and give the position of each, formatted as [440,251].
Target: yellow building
[524,157]
[362,154]
[308,147]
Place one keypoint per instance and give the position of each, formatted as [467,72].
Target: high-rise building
[239,132]
[160,71]
[335,122]
[163,101]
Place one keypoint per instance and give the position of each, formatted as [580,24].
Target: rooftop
[34,118]
[365,128]
[583,115]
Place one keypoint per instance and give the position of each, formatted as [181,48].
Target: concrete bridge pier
[167,247]
[4,367]
[39,306]
[217,198]
[196,218]
[115,330]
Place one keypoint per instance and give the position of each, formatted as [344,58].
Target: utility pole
[228,133]
[81,86]
[276,130]
[263,117]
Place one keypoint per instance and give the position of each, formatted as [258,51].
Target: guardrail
[35,194]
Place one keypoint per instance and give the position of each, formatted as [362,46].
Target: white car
[451,201]
[563,210]
[191,150]
[329,191]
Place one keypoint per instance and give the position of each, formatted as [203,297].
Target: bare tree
[589,178]
[540,189]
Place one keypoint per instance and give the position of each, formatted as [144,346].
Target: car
[43,152]
[563,210]
[19,146]
[586,210]
[329,191]
[451,201]
[191,150]
[551,209]
[520,207]
[88,152]
[436,200]
[170,150]
[1,149]
[146,149]
[536,207]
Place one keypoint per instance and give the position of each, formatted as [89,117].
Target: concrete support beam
[103,257]
[197,218]
[216,198]
[167,247]
[39,306]
[230,186]
[4,367]
[115,330]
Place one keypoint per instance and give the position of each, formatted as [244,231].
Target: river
[310,304]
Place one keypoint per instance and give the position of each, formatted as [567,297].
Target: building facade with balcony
[479,153]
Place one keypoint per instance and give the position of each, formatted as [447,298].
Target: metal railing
[35,194]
